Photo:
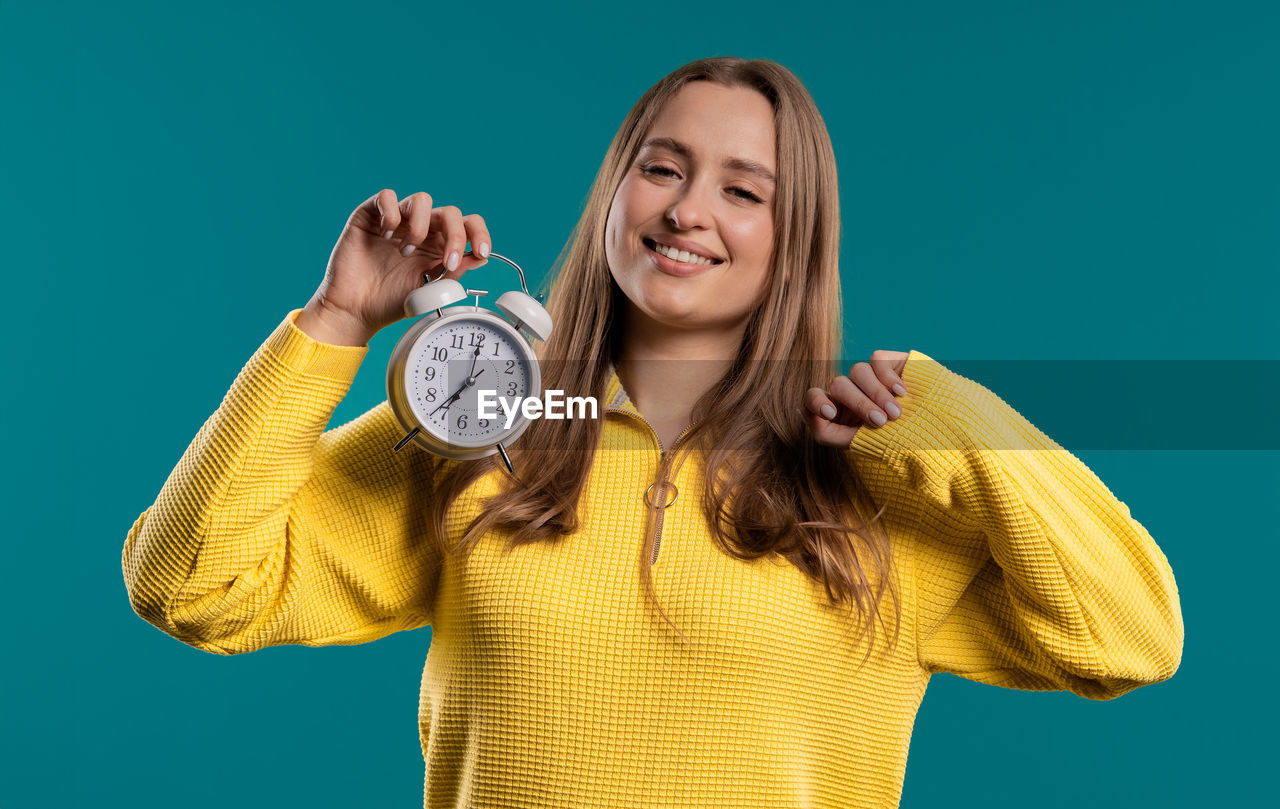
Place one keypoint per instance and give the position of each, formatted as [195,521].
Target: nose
[689,209]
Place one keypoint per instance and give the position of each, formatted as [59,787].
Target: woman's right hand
[370,274]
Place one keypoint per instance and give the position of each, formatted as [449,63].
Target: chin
[673,316]
[686,315]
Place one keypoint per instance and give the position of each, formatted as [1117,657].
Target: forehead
[717,121]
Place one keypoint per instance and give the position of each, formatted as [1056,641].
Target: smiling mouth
[675,255]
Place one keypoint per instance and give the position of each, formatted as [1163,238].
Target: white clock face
[448,368]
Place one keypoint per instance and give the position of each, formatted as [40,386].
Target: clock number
[511,388]
[477,339]
[510,364]
[495,349]
[484,422]
[439,354]
[457,341]
[462,421]
[431,374]
[431,394]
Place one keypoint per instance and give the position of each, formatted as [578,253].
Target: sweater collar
[616,400]
[615,396]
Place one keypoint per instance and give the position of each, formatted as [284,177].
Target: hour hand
[471,380]
[445,404]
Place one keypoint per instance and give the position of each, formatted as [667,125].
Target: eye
[659,170]
[745,194]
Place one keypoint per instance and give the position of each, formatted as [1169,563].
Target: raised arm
[1028,572]
[270,531]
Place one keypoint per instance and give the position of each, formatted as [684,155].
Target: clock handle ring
[524,287]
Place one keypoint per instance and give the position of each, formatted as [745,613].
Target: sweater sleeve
[1028,573]
[271,531]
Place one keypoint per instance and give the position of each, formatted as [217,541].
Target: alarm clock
[448,358]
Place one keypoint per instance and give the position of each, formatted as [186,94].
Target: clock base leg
[506,460]
[406,439]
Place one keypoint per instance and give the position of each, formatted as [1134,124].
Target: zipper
[661,484]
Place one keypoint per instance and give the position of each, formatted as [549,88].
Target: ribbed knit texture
[552,681]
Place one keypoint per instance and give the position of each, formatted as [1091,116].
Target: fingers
[865,396]
[415,224]
[388,212]
[829,433]
[817,403]
[446,221]
[407,220]
[849,397]
[477,233]
[418,221]
[888,367]
[855,399]
[864,392]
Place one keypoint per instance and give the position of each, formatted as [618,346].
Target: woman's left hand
[865,396]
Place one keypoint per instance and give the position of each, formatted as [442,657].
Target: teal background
[1093,181]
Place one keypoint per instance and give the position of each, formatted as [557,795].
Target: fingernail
[829,411]
[484,249]
[453,260]
[877,418]
[387,235]
[406,250]
[892,409]
[898,389]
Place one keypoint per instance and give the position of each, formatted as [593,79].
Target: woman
[656,618]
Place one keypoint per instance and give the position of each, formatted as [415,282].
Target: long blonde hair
[771,488]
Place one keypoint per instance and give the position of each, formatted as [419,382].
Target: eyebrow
[735,163]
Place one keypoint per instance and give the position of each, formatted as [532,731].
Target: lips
[680,245]
[670,266]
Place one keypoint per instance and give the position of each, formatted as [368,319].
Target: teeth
[683,256]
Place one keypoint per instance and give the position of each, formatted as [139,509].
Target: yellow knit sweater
[551,680]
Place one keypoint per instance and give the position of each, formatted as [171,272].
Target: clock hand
[445,404]
[471,380]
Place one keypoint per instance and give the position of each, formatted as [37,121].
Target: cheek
[615,222]
[754,240]
[623,210]
[634,204]
[640,201]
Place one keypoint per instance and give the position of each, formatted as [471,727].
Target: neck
[665,370]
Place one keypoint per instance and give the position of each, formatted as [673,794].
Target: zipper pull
[674,494]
